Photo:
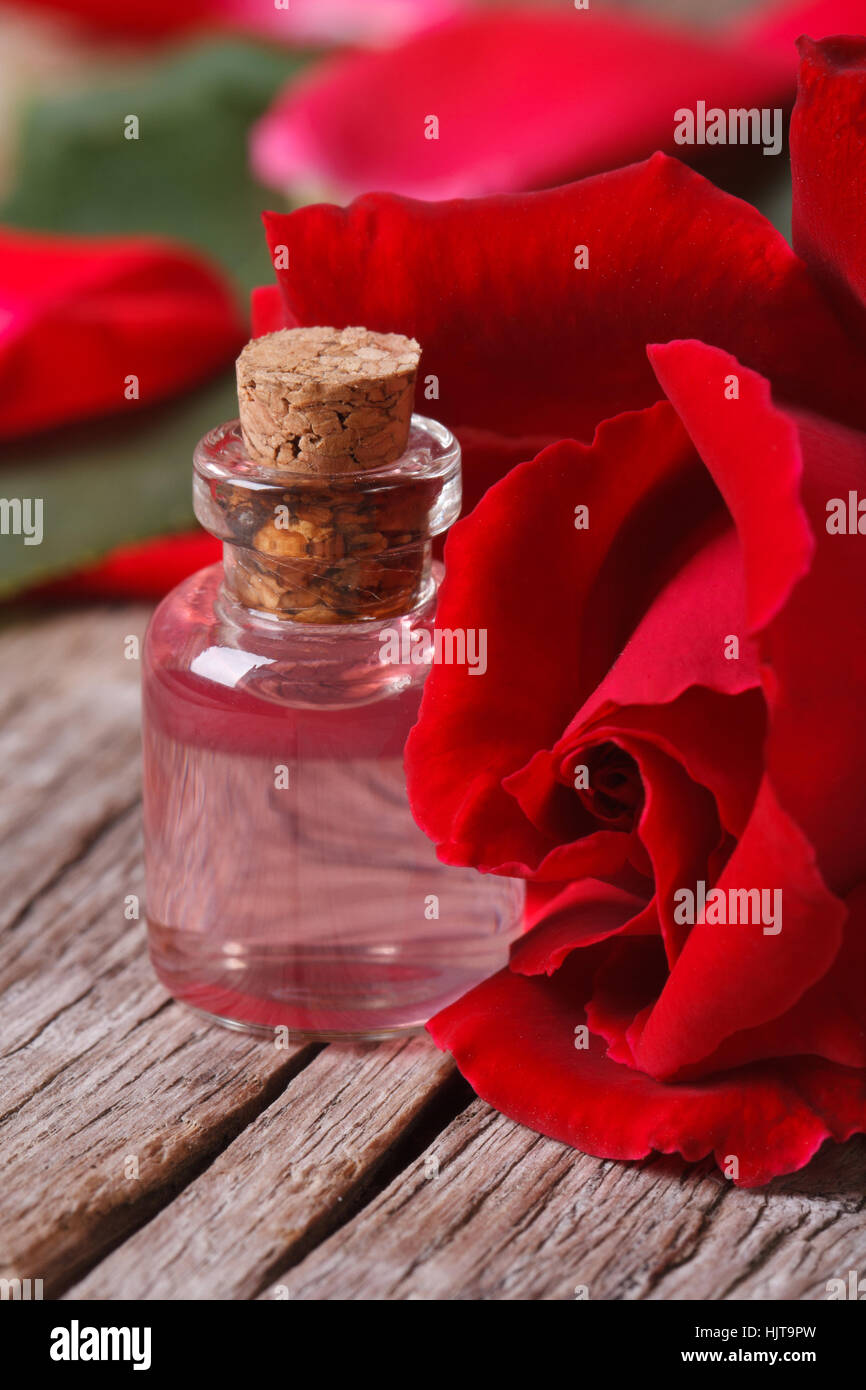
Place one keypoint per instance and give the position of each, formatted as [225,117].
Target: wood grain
[492,1211]
[310,1173]
[97,1066]
[69,742]
[283,1183]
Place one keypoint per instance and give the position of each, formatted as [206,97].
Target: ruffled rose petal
[580,915]
[518,341]
[522,98]
[533,597]
[513,1038]
[679,827]
[733,976]
[625,985]
[678,646]
[681,639]
[718,738]
[700,763]
[828,165]
[828,1021]
[479,784]
[806,598]
[79,316]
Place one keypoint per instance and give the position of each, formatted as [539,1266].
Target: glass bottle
[287,882]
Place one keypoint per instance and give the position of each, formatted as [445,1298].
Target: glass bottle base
[302,1035]
[345,993]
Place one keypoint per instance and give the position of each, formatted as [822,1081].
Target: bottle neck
[328,590]
[330,665]
[328,550]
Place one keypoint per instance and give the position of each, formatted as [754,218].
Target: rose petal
[146,570]
[521,342]
[631,977]
[513,1038]
[522,98]
[718,739]
[78,316]
[268,311]
[580,915]
[830,1018]
[638,481]
[806,592]
[828,164]
[734,976]
[774,28]
[680,829]
[339,21]
[296,21]
[682,637]
[148,21]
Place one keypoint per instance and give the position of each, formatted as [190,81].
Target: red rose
[674,695]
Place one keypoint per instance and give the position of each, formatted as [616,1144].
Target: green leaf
[186,176]
[107,484]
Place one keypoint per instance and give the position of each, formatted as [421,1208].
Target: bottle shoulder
[197,638]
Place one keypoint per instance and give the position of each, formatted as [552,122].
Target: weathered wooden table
[146,1155]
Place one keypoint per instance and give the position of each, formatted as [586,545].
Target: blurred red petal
[268,311]
[774,28]
[151,20]
[522,98]
[78,317]
[294,21]
[339,21]
[145,571]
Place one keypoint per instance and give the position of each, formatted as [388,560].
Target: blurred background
[140,142]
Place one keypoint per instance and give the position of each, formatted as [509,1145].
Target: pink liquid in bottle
[287,882]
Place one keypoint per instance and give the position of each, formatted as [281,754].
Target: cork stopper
[327,401]
[327,492]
